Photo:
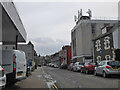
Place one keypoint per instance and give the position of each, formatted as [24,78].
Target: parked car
[14,63]
[70,67]
[51,65]
[63,66]
[55,66]
[88,67]
[107,67]
[2,77]
[77,66]
[39,65]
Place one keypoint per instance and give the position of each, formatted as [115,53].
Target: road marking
[49,80]
[39,76]
[79,86]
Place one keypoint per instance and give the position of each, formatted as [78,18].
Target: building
[28,49]
[12,29]
[66,55]
[85,30]
[41,60]
[47,60]
[107,45]
[55,58]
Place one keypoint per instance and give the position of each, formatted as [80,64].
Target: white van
[14,63]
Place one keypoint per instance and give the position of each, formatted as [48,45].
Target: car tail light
[108,67]
[89,65]
[2,72]
[14,62]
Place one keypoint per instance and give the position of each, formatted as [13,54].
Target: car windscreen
[81,63]
[91,63]
[114,63]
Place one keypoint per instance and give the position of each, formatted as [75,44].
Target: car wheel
[104,74]
[76,70]
[95,73]
[86,71]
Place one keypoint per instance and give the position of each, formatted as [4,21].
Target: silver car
[77,66]
[107,67]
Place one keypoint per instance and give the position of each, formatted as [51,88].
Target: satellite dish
[80,12]
[75,18]
[89,13]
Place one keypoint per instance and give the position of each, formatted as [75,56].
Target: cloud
[48,46]
[49,24]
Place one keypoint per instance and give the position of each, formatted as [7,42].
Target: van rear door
[20,64]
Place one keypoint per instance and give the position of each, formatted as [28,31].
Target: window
[93,28]
[108,57]
[114,63]
[98,45]
[100,63]
[98,59]
[107,43]
[91,63]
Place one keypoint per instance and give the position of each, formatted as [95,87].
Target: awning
[11,24]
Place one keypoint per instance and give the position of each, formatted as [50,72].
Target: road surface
[70,79]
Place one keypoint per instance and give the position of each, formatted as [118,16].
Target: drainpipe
[16,45]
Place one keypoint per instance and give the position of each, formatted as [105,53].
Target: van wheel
[95,73]
[104,74]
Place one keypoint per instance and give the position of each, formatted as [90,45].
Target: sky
[49,24]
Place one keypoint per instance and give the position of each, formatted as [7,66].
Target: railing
[104,18]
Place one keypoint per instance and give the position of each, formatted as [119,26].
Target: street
[43,45]
[70,79]
[42,77]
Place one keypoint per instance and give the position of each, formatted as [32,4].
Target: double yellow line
[54,86]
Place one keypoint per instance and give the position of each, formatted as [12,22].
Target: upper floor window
[98,45]
[107,43]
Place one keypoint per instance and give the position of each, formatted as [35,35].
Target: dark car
[63,66]
[70,67]
[88,67]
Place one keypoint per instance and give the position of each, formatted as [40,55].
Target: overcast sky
[49,24]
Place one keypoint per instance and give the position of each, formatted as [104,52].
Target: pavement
[35,80]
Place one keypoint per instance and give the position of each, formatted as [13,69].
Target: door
[20,64]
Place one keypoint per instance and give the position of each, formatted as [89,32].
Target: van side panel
[7,61]
[7,64]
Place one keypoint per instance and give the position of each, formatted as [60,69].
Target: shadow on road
[11,86]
